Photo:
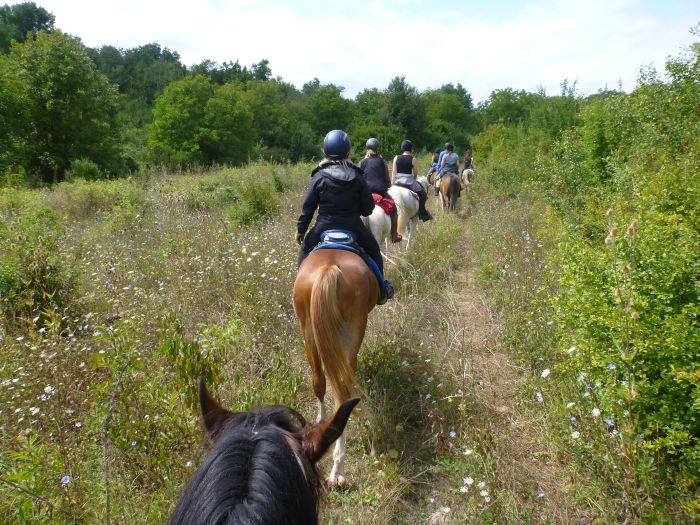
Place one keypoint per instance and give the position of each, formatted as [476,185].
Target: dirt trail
[530,484]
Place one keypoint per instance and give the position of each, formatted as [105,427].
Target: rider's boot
[423,214]
[395,237]
[386,293]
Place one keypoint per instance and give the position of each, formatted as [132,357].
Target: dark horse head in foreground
[262,467]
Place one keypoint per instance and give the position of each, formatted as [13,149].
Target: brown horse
[333,294]
[449,191]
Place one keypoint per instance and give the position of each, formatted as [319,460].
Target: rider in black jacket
[339,190]
[378,180]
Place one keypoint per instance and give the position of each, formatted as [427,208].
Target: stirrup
[386,293]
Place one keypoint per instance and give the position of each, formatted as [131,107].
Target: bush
[84,169]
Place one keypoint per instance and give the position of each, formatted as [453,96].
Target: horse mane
[252,475]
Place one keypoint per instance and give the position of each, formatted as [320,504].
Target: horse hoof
[396,239]
[335,482]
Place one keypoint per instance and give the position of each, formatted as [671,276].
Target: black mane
[252,475]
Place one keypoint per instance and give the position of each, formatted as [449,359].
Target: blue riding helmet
[336,145]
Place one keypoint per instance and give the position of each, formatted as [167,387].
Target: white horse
[407,206]
[379,223]
[467,177]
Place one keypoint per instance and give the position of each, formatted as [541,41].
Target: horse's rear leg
[318,376]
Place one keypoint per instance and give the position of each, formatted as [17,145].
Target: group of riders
[342,193]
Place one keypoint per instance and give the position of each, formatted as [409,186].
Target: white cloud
[594,42]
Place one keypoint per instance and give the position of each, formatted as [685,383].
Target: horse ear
[212,412]
[318,439]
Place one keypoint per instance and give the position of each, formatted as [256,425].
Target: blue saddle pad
[345,240]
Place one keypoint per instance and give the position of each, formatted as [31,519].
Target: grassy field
[124,292]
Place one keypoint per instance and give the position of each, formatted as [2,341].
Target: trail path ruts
[530,484]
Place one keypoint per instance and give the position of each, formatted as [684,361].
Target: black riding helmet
[336,145]
[406,145]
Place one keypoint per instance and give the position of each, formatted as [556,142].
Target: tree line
[105,112]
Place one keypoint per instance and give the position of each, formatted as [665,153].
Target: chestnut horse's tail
[327,325]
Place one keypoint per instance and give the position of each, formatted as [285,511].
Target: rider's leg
[423,214]
[308,244]
[395,237]
[371,247]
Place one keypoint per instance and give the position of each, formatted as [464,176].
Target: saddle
[345,240]
[385,204]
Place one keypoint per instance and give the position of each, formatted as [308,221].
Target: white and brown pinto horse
[334,292]
[407,206]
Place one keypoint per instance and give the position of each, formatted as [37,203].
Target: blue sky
[482,45]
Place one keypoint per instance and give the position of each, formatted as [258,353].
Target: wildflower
[544,373]
[595,412]
[575,434]
[48,389]
[78,424]
[34,411]
[65,480]
[571,349]
[570,404]
[540,494]
[612,366]
[134,443]
[614,231]
[188,464]
[609,422]
[468,451]
[453,434]
[468,481]
[487,498]
[574,421]
[609,240]
[463,489]
[539,397]
[484,493]
[481,484]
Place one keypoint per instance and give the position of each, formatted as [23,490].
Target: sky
[484,45]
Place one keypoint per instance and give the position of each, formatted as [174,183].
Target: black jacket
[339,191]
[376,173]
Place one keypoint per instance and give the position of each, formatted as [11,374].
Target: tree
[329,108]
[270,116]
[70,107]
[406,109]
[198,122]
[18,20]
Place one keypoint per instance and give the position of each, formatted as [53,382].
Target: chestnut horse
[262,467]
[449,191]
[334,292]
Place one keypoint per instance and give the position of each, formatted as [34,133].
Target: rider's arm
[415,168]
[366,199]
[393,171]
[308,207]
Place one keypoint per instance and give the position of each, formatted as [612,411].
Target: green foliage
[16,21]
[188,360]
[626,304]
[199,123]
[327,106]
[70,108]
[34,284]
[84,169]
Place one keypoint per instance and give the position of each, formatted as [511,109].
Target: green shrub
[84,169]
[34,284]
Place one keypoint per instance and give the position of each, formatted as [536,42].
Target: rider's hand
[300,238]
